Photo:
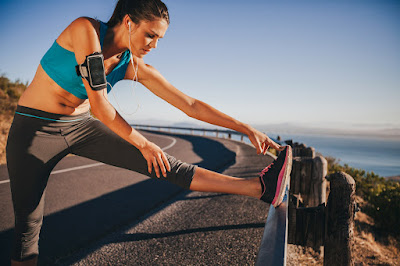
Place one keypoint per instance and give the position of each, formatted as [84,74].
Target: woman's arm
[85,41]
[197,109]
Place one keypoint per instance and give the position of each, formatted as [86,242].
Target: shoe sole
[284,177]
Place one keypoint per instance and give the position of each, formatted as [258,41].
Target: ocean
[382,156]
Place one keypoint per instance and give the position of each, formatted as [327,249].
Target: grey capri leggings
[38,140]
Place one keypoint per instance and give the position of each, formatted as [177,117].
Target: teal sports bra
[59,64]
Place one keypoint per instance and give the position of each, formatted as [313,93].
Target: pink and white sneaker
[275,177]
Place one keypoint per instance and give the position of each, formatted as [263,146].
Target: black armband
[93,71]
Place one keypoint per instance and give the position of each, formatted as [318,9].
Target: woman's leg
[209,181]
[99,143]
[31,156]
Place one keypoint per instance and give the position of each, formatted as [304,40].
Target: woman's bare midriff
[46,95]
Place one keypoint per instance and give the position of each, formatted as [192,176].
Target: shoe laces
[265,170]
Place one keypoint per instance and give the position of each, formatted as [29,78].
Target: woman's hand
[156,158]
[262,142]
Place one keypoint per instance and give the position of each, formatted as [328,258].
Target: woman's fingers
[274,145]
[162,166]
[149,166]
[166,162]
[156,169]
[265,149]
[160,163]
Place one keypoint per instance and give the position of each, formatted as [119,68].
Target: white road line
[75,168]
[95,164]
[5,181]
[170,145]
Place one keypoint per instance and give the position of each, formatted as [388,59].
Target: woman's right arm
[85,41]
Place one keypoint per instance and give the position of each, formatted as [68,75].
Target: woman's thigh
[100,143]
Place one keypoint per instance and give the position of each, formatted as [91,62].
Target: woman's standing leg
[31,155]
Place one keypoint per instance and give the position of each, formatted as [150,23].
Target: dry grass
[5,123]
[371,246]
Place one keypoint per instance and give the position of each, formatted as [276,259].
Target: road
[99,214]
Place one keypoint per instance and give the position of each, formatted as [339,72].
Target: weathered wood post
[308,175]
[340,220]
[318,181]
[307,204]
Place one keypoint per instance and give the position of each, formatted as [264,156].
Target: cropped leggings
[38,140]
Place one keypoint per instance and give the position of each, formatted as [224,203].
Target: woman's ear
[128,23]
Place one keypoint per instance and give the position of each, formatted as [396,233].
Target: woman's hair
[138,10]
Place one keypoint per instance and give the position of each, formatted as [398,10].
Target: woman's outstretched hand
[156,158]
[262,142]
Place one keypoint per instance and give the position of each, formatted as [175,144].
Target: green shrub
[385,208]
[382,195]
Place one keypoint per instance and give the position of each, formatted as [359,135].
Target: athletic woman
[52,119]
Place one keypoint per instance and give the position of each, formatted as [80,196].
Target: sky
[305,63]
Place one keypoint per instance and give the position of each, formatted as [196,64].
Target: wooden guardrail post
[308,176]
[308,197]
[340,220]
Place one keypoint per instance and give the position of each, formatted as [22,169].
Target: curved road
[100,214]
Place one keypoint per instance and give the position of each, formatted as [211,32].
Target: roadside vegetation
[10,91]
[381,196]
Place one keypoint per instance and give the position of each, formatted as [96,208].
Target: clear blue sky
[303,62]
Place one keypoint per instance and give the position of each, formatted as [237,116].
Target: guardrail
[273,246]
[218,132]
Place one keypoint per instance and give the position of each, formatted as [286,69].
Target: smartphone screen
[96,68]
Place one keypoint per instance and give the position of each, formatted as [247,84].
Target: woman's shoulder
[82,26]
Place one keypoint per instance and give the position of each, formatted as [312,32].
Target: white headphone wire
[134,80]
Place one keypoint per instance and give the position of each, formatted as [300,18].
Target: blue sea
[382,156]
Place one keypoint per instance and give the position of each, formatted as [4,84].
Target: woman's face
[145,35]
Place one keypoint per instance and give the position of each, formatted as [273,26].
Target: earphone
[135,76]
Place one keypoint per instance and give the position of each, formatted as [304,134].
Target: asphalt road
[99,214]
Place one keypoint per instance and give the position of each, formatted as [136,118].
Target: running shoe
[275,177]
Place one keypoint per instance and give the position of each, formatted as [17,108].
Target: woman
[53,120]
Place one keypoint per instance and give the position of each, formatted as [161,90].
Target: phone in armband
[93,71]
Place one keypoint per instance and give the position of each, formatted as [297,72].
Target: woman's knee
[181,173]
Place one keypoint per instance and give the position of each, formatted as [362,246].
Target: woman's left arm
[157,84]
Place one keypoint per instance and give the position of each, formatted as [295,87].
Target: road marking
[170,145]
[95,164]
[75,168]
